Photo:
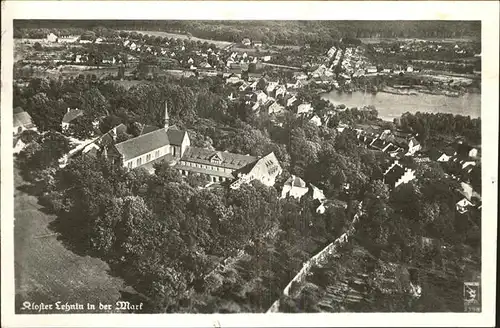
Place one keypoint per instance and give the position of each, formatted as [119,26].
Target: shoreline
[413,92]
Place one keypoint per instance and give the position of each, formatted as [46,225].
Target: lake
[390,106]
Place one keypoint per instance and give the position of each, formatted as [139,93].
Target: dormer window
[216,158]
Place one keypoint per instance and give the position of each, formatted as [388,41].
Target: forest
[166,236]
[271,32]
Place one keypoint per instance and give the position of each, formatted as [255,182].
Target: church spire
[166,119]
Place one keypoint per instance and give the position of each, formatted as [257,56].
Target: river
[390,106]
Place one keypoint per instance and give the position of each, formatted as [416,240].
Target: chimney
[69,109]
[113,133]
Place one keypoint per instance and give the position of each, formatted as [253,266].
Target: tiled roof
[71,115]
[295,182]
[175,136]
[22,119]
[107,139]
[394,174]
[143,144]
[378,143]
[148,128]
[229,160]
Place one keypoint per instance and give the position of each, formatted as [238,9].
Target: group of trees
[429,126]
[273,32]
[169,234]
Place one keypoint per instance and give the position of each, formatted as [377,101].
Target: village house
[246,42]
[371,69]
[67,38]
[316,120]
[18,145]
[259,97]
[234,79]
[271,86]
[290,101]
[397,174]
[294,187]
[266,169]
[465,150]
[51,37]
[463,205]
[71,115]
[257,44]
[22,121]
[280,91]
[275,108]
[304,108]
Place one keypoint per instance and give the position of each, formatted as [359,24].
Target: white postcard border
[486,11]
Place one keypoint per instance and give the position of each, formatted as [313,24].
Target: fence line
[319,259]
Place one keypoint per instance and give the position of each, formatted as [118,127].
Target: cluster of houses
[246,42]
[395,143]
[417,45]
[271,97]
[53,38]
[295,187]
[203,58]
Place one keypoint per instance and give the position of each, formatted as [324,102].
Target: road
[46,271]
[282,66]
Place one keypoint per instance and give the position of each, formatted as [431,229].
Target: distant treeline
[279,32]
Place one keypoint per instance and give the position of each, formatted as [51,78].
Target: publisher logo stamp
[472,297]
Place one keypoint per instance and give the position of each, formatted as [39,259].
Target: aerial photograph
[242,166]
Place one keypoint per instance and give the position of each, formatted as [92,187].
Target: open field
[45,270]
[219,44]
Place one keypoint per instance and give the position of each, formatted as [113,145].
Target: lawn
[45,270]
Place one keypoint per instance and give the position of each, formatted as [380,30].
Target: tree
[94,103]
[81,128]
[37,46]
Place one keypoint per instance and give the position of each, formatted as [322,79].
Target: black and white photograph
[248,166]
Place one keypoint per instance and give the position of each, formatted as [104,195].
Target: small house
[69,117]
[22,121]
[246,42]
[294,187]
[51,37]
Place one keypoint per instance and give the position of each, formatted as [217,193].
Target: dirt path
[46,271]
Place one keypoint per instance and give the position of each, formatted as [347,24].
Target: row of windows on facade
[208,167]
[212,178]
[139,162]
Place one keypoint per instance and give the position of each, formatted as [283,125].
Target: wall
[163,151]
[319,259]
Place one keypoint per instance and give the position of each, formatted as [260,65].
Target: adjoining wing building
[172,145]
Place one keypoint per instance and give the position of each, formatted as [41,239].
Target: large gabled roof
[229,160]
[143,144]
[176,136]
[394,174]
[71,115]
[22,119]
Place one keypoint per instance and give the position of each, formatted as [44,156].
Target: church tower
[166,119]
